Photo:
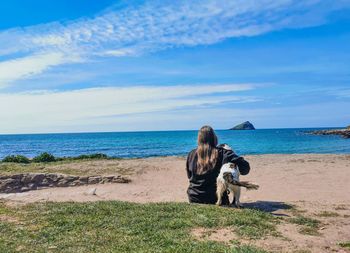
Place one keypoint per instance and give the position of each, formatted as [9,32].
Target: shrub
[92,156]
[15,159]
[44,158]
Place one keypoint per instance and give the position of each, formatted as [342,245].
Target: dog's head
[235,172]
[232,173]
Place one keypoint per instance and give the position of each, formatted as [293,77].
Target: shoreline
[76,158]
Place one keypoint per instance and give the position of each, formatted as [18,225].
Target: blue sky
[85,65]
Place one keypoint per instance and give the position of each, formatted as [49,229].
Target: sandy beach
[287,178]
[311,183]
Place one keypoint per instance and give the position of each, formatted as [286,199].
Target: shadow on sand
[268,206]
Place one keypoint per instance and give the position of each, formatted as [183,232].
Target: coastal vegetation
[16,159]
[46,157]
[114,226]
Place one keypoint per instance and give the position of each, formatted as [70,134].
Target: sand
[287,178]
[312,182]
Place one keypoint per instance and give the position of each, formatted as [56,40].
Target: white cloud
[21,68]
[156,25]
[35,111]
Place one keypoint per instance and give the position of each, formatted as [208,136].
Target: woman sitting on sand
[203,166]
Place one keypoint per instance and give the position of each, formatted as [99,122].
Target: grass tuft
[309,231]
[328,214]
[309,226]
[301,220]
[345,244]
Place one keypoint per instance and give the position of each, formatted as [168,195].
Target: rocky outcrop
[345,133]
[244,126]
[34,181]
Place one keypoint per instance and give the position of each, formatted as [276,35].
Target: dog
[228,180]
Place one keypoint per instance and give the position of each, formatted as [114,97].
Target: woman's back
[202,188]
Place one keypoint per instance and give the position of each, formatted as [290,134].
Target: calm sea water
[165,143]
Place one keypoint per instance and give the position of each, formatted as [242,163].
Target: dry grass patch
[219,234]
[327,214]
[308,226]
[69,167]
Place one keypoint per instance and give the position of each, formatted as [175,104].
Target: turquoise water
[165,143]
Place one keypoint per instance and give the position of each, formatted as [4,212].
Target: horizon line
[169,130]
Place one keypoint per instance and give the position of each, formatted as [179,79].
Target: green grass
[309,226]
[125,227]
[345,244]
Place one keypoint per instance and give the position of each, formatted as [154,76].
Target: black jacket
[202,188]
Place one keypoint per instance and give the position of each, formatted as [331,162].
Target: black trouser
[205,200]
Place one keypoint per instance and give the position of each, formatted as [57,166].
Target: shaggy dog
[228,180]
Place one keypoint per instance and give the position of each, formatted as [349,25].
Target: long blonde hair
[206,151]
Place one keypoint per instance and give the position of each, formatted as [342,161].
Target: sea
[171,143]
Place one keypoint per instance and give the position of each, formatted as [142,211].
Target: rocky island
[345,132]
[244,126]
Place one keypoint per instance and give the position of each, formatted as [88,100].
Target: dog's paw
[237,205]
